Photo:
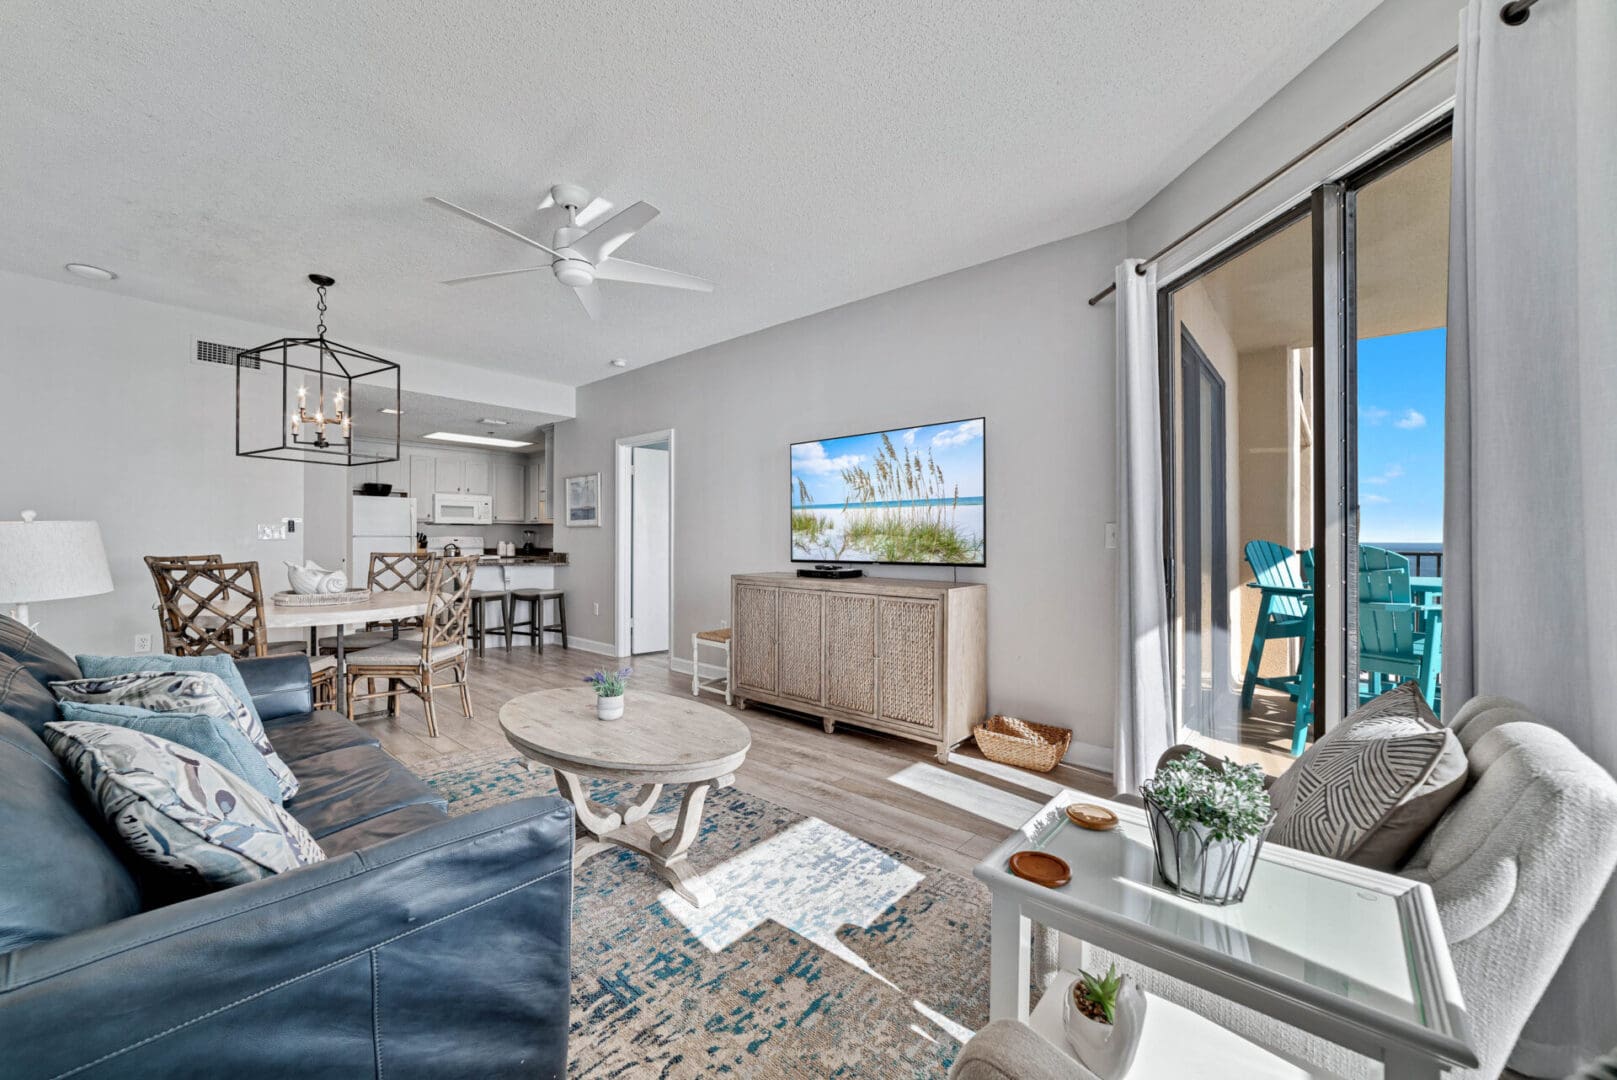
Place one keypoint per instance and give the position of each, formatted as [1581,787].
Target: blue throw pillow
[219,740]
[105,667]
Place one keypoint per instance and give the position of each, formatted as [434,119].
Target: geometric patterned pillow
[179,810]
[1336,796]
[197,693]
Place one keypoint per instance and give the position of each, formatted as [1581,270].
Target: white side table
[1351,955]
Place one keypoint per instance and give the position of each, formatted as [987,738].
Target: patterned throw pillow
[177,809]
[198,693]
[219,739]
[103,667]
[1375,783]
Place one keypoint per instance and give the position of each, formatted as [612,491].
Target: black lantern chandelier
[327,380]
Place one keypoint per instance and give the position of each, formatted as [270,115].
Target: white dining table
[380,606]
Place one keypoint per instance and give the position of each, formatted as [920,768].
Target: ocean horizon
[964,500]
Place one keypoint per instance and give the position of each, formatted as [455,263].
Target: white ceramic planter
[1214,870]
[1107,1050]
[609,708]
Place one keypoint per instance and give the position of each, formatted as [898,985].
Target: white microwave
[462,509]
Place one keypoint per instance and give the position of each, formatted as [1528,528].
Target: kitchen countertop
[558,558]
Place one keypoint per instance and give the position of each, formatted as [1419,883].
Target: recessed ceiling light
[391,412]
[94,273]
[475,440]
[492,420]
[620,362]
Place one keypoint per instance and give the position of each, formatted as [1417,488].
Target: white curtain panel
[1145,722]
[1530,523]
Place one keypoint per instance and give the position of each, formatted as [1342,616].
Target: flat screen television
[911,495]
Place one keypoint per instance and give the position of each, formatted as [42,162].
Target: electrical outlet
[143,643]
[724,623]
[1111,534]
[597,609]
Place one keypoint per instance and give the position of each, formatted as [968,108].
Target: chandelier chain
[320,306]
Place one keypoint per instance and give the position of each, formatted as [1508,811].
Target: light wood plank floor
[884,790]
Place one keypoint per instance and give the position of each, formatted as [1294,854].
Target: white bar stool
[713,639]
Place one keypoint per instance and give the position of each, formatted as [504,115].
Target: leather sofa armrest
[279,684]
[444,952]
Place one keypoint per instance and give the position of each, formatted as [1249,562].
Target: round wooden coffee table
[661,739]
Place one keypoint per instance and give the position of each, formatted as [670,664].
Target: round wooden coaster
[1090,816]
[1041,868]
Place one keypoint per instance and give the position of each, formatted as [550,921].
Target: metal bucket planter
[1194,865]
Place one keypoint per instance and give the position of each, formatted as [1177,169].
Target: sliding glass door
[1301,387]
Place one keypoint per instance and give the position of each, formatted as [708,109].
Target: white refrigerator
[380,523]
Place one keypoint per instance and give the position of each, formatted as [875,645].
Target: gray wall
[1393,42]
[1011,340]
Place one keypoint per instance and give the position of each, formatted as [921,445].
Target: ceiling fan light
[574,273]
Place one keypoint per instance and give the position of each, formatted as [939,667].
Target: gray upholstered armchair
[1516,865]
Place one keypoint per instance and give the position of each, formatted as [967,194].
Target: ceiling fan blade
[496,226]
[590,297]
[496,273]
[640,274]
[610,234]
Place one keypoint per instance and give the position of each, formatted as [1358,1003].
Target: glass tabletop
[1342,936]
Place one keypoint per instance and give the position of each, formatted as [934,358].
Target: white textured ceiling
[803,155]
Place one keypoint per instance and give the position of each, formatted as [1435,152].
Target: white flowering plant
[1229,801]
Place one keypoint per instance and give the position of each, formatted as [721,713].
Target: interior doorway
[645,543]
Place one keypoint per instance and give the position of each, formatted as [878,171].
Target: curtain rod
[1505,13]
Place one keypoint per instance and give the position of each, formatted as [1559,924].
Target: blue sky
[956,447]
[1401,437]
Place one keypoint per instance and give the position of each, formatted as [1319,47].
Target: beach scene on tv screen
[910,495]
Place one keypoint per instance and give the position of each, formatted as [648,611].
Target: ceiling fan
[581,251]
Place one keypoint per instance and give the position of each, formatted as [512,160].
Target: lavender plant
[610,684]
[1230,802]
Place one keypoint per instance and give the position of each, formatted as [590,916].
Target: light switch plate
[271,532]
[1111,534]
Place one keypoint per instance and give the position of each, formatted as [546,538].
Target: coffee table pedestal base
[601,827]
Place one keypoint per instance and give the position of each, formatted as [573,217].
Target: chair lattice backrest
[403,570]
[1276,566]
[449,604]
[1376,558]
[1384,587]
[205,603]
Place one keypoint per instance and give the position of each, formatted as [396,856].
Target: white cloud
[1373,416]
[1392,472]
[811,458]
[1410,420]
[958,435]
[1374,499]
[909,437]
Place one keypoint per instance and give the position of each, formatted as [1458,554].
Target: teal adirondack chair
[1392,642]
[1375,558]
[1286,611]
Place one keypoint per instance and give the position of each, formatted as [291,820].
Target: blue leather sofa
[424,945]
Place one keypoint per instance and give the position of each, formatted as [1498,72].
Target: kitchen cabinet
[510,481]
[539,481]
[460,474]
[423,482]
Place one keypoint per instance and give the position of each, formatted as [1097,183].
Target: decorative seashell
[313,578]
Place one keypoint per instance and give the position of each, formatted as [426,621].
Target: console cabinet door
[801,645]
[756,618]
[850,653]
[907,678]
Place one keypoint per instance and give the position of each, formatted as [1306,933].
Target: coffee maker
[527,543]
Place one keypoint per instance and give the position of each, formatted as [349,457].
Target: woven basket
[1026,745]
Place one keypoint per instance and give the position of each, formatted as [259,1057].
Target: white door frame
[625,535]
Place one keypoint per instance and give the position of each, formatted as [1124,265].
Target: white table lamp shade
[51,560]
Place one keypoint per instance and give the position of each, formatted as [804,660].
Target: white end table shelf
[1351,955]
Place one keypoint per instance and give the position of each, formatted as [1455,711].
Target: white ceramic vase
[608,708]
[1107,1050]
[313,578]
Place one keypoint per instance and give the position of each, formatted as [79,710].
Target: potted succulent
[1103,1016]
[609,688]
[1208,822]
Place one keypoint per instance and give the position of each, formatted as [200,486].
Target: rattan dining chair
[419,666]
[389,572]
[206,605]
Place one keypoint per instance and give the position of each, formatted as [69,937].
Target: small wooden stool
[713,639]
[480,630]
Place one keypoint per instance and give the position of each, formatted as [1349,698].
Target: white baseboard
[604,648]
[683,666]
[1089,756]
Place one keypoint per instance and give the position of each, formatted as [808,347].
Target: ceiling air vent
[211,352]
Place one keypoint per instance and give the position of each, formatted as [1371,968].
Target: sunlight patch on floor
[986,801]
[959,1031]
[1020,777]
[813,879]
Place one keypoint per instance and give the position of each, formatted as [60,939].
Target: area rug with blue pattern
[823,956]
